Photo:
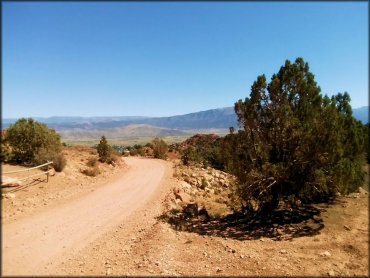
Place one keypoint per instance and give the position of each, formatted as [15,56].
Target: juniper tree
[104,149]
[294,141]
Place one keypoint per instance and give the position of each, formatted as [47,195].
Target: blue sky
[163,58]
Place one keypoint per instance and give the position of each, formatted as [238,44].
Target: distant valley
[209,121]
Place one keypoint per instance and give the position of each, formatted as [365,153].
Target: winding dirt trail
[29,244]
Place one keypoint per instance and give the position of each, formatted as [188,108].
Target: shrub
[92,171]
[58,159]
[59,162]
[6,152]
[92,161]
[141,152]
[159,148]
[32,142]
[204,183]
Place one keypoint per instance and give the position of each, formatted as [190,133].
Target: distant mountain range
[128,126]
[215,118]
[362,114]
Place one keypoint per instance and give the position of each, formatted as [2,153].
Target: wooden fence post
[47,173]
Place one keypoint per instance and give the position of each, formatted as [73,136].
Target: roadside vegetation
[107,154]
[30,143]
[294,145]
[160,148]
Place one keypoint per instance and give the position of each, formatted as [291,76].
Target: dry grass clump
[92,161]
[91,172]
[215,206]
[59,162]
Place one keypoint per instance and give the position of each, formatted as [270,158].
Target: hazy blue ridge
[362,114]
[214,118]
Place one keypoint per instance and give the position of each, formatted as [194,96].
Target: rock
[218,270]
[186,185]
[331,273]
[62,174]
[8,195]
[52,172]
[242,256]
[184,174]
[326,253]
[10,182]
[362,191]
[181,195]
[210,190]
[193,175]
[283,251]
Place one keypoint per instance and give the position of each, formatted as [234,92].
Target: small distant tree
[33,143]
[160,148]
[104,149]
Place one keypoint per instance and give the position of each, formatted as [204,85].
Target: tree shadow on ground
[280,224]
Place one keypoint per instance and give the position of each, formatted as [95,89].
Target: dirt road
[30,244]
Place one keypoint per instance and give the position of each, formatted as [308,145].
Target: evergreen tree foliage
[294,141]
[104,149]
[32,142]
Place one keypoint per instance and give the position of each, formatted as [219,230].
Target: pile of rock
[193,182]
[203,178]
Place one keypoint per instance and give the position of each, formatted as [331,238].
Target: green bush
[32,142]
